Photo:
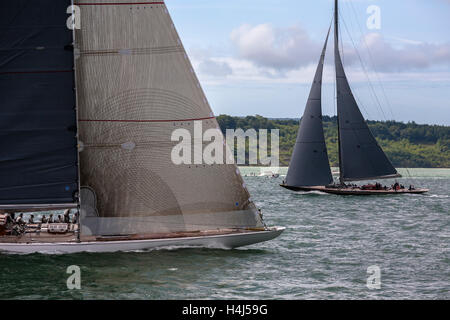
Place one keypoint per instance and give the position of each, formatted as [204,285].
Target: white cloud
[277,48]
[214,68]
[409,56]
[265,54]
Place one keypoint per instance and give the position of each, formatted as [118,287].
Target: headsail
[309,164]
[135,87]
[360,156]
[38,158]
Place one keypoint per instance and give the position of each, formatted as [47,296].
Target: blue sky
[259,56]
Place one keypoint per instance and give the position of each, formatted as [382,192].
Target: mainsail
[360,156]
[135,86]
[309,164]
[38,158]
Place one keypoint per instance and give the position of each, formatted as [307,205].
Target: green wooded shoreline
[408,145]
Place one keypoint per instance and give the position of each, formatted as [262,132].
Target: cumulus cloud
[409,57]
[287,49]
[215,68]
[278,48]
[266,54]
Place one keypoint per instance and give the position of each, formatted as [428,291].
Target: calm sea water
[324,254]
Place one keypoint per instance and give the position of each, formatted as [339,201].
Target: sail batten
[309,164]
[360,156]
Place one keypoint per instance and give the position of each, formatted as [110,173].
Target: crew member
[66,216]
[19,219]
[75,218]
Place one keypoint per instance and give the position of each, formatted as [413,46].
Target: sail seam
[115,4]
[32,72]
[134,51]
[171,120]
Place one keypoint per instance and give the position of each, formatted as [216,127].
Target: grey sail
[309,164]
[360,156]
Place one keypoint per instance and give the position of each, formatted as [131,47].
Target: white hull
[228,241]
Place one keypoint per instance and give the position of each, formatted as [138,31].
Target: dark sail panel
[309,164]
[360,155]
[38,152]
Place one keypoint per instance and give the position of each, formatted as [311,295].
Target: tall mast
[75,50]
[336,57]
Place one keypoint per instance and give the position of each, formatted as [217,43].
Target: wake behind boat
[87,118]
[360,156]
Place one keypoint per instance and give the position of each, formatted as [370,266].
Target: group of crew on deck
[65,218]
[17,225]
[378,186]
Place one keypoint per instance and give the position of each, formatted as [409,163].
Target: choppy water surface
[324,254]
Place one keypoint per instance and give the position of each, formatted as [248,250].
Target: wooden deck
[45,237]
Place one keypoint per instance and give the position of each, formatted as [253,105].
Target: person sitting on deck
[31,219]
[75,218]
[9,223]
[44,219]
[50,219]
[19,220]
[66,216]
[59,219]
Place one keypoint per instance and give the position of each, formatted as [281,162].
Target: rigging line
[374,70]
[353,130]
[372,92]
[341,41]
[376,73]
[359,101]
[353,92]
[372,62]
[365,72]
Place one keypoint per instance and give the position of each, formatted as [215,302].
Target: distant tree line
[406,144]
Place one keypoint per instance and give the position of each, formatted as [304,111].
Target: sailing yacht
[85,124]
[360,156]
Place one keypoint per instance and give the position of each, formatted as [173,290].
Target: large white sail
[135,85]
